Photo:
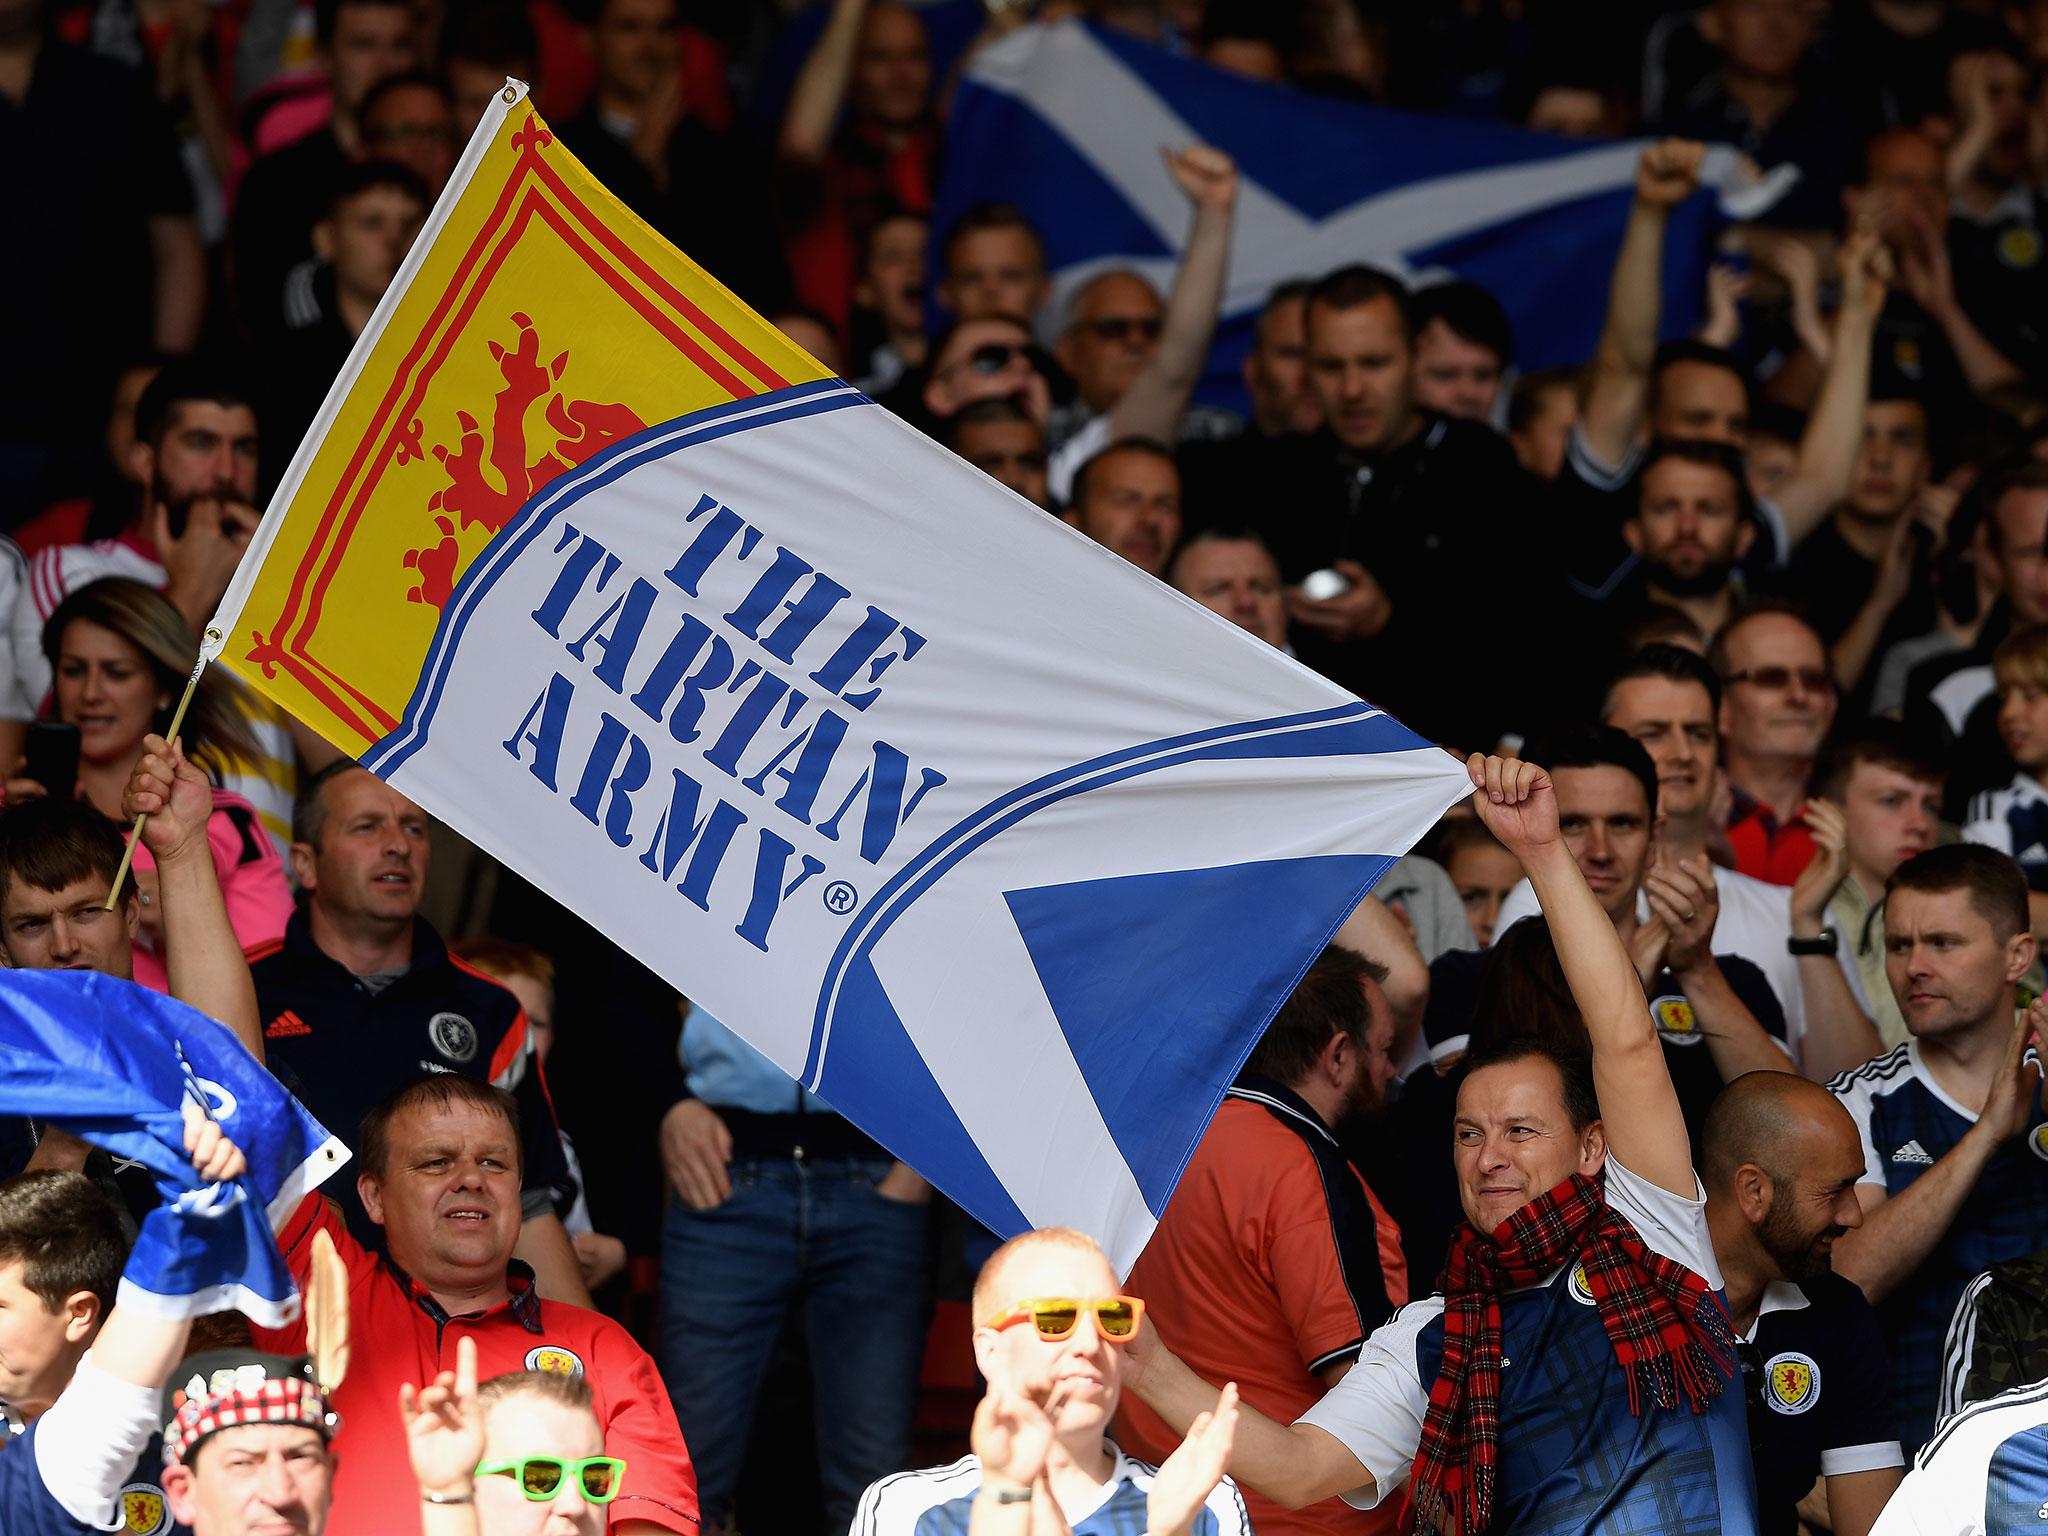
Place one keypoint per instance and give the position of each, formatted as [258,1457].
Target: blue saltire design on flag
[1067,123]
[114,1063]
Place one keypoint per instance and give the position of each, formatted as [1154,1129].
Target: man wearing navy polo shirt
[1780,1162]
[361,997]
[1577,1372]
[1955,1148]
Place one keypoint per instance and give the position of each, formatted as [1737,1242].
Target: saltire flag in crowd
[1066,123]
[115,1063]
[1005,849]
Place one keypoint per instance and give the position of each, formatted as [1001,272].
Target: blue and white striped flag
[1066,122]
[115,1063]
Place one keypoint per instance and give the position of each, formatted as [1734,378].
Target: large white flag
[1003,847]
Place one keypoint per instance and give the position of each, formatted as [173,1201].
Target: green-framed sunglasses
[541,1478]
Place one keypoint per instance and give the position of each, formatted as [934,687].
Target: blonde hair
[566,1390]
[989,1298]
[2021,660]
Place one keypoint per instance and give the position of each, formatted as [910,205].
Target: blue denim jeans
[812,1233]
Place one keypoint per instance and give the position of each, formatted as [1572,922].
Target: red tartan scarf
[1669,1333]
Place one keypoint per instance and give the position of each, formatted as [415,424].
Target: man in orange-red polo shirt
[1273,1260]
[440,1173]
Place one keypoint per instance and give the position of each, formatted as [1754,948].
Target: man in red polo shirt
[1273,1261]
[1777,703]
[439,1171]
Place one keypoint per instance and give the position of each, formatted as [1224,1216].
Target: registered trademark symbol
[841,898]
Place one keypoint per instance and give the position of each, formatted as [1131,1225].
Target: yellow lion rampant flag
[536,322]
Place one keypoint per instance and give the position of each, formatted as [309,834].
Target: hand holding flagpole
[170,735]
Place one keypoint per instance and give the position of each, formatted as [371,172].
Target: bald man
[1051,1326]
[1781,1159]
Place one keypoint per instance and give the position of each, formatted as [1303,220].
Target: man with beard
[1780,1165]
[1948,1189]
[1284,1314]
[1689,530]
[195,454]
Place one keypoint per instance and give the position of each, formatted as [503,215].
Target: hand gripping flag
[1066,123]
[115,1063]
[1005,849]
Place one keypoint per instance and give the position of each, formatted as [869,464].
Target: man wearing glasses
[1777,703]
[1051,1331]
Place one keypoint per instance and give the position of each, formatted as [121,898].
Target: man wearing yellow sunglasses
[1051,1329]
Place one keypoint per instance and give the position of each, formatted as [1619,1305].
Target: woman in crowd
[121,656]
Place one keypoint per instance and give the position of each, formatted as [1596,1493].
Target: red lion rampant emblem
[489,482]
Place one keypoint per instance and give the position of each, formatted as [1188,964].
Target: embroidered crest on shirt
[143,1510]
[1675,1021]
[553,1360]
[1792,1382]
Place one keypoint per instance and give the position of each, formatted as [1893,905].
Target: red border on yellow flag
[536,322]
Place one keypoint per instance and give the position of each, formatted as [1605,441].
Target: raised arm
[87,1444]
[137,1345]
[1618,393]
[201,954]
[820,91]
[1151,406]
[1638,1106]
[1827,453]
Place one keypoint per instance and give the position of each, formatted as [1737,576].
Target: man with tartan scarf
[1573,1374]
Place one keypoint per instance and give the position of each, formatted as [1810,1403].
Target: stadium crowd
[1661,1148]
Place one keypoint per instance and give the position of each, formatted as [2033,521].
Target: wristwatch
[1826,942]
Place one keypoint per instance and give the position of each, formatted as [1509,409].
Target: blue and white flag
[1005,849]
[1067,122]
[115,1063]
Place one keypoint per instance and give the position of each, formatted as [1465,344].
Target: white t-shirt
[1754,922]
[1376,1410]
[1985,1473]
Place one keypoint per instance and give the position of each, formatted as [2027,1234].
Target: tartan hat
[225,1387]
